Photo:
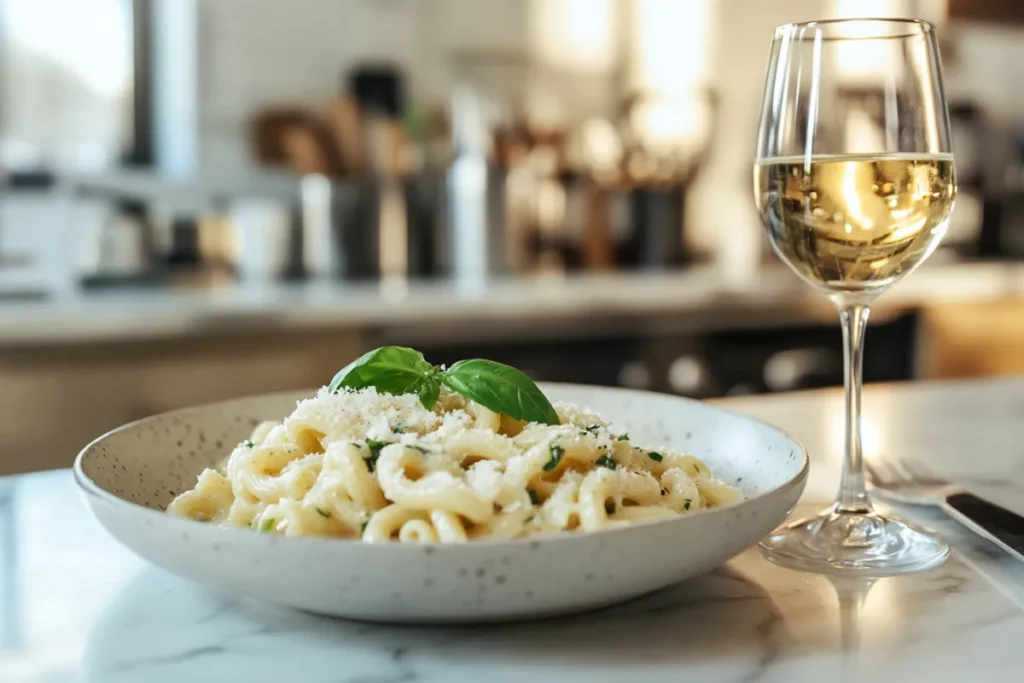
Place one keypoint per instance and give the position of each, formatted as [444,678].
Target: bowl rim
[89,487]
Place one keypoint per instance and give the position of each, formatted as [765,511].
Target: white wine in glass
[855,222]
[855,181]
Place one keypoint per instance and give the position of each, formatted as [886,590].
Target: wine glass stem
[853,497]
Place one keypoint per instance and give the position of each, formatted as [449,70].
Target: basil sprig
[401,370]
[500,388]
[392,370]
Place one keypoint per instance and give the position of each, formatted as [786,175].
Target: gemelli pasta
[380,467]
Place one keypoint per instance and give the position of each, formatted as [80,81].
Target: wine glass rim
[913,27]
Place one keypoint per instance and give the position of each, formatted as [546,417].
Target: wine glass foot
[868,543]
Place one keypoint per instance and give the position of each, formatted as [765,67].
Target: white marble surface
[75,607]
[702,295]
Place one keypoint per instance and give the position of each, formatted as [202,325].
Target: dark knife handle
[1001,526]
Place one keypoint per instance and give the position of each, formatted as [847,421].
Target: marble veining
[76,608]
[746,622]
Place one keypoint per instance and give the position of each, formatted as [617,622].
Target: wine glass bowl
[855,181]
[856,223]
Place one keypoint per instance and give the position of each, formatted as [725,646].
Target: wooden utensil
[344,122]
[303,151]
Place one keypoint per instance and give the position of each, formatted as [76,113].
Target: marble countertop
[75,607]
[702,294]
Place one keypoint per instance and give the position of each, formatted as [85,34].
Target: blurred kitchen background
[201,199]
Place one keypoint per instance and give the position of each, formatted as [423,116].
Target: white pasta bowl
[130,474]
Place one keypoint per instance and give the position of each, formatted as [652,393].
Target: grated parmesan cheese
[357,415]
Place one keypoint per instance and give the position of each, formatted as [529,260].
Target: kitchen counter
[102,358]
[75,607]
[700,298]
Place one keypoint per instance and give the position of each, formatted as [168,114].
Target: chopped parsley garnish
[656,457]
[528,519]
[592,429]
[556,456]
[607,461]
[421,449]
[399,428]
[609,507]
[323,513]
[622,437]
[267,524]
[362,529]
[533,497]
[375,448]
[686,504]
[248,444]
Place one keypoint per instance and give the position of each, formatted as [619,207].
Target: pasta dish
[358,463]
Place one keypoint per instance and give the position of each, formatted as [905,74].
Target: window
[66,83]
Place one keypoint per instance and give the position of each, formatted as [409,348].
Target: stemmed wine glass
[854,181]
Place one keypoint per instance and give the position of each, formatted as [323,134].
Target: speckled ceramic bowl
[130,474]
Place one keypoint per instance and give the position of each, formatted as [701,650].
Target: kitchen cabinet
[55,400]
[702,364]
[996,11]
[973,339]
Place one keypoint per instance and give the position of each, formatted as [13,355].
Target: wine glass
[855,183]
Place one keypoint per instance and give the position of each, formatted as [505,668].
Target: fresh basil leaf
[656,457]
[391,370]
[501,388]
